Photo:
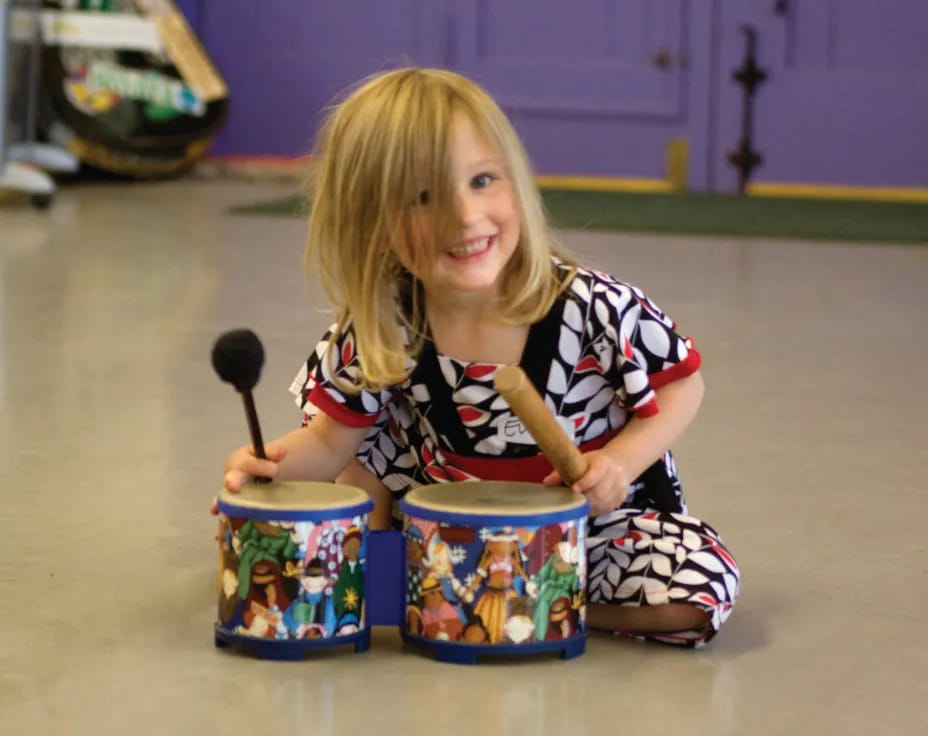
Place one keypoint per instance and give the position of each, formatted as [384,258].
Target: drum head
[295,501]
[487,501]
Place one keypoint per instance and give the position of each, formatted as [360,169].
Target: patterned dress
[597,358]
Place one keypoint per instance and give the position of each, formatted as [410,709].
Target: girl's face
[489,220]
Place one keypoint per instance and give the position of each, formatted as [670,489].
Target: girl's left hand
[605,482]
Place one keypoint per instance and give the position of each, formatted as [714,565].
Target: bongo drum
[292,563]
[495,568]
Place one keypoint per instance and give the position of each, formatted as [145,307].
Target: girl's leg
[663,576]
[357,475]
[646,619]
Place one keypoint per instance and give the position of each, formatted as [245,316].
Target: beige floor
[809,457]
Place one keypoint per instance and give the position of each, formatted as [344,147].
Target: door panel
[600,87]
[593,90]
[543,56]
[846,97]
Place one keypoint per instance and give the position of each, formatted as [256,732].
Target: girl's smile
[472,249]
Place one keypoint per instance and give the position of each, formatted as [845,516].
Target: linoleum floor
[808,456]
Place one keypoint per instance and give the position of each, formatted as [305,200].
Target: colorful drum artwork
[292,564]
[495,568]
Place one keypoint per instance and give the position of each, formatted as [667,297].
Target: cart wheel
[42,201]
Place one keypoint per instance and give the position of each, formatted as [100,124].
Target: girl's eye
[481,181]
[423,197]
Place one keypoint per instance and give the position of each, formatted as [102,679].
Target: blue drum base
[292,649]
[458,653]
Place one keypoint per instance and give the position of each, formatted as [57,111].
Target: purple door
[846,96]
[596,89]
[602,87]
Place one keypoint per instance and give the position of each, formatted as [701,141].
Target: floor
[809,457]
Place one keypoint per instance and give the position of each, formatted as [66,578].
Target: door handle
[663,59]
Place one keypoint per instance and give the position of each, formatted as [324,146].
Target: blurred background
[824,98]
[604,88]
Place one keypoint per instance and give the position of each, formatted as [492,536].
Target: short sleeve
[649,352]
[316,389]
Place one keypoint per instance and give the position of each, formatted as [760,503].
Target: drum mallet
[238,357]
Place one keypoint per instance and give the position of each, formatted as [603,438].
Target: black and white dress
[597,358]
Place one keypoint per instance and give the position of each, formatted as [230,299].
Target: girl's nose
[467,207]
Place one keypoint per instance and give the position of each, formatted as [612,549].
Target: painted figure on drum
[499,601]
[519,627]
[440,567]
[563,619]
[415,553]
[558,580]
[440,619]
[349,587]
[312,612]
[266,601]
[474,631]
[500,569]
[261,540]
[284,580]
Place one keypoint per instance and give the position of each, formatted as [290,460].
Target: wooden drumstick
[514,386]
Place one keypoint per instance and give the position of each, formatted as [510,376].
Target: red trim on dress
[646,410]
[523,469]
[686,367]
[320,398]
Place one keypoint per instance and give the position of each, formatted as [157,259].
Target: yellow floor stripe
[827,191]
[759,189]
[602,184]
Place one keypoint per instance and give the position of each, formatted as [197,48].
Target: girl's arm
[643,441]
[639,445]
[317,452]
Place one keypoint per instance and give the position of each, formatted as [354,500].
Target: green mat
[711,214]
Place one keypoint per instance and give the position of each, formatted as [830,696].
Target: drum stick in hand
[237,357]
[514,386]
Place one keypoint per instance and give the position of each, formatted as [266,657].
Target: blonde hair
[377,150]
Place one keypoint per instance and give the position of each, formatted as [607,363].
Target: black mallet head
[237,357]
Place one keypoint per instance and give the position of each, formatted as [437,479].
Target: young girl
[430,239]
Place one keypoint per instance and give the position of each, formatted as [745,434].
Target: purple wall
[598,87]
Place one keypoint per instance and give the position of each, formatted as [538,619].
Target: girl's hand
[242,466]
[605,482]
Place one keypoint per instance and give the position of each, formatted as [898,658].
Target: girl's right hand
[242,466]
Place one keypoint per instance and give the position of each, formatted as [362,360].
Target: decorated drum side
[292,562]
[495,568]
